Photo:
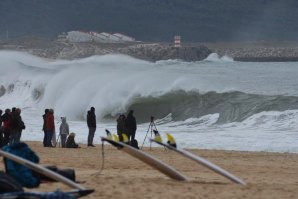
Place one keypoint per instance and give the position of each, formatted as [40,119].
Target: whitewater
[217,103]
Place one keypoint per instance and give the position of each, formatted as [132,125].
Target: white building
[103,37]
[78,36]
[124,37]
[99,38]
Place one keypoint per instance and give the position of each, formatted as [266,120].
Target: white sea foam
[112,83]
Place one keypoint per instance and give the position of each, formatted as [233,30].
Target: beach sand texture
[268,175]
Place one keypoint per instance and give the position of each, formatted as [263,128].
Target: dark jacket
[44,128]
[91,119]
[131,123]
[16,121]
[70,143]
[121,126]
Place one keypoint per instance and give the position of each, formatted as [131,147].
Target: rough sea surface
[217,103]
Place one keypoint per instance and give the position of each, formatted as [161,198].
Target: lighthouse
[177,41]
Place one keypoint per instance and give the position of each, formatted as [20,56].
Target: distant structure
[103,37]
[177,41]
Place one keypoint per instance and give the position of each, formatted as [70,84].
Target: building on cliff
[103,37]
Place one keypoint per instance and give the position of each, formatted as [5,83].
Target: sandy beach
[268,175]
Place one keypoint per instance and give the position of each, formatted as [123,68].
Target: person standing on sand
[50,126]
[6,119]
[44,127]
[131,125]
[17,125]
[91,123]
[121,127]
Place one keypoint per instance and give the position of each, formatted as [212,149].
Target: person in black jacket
[17,125]
[6,120]
[44,127]
[131,125]
[91,123]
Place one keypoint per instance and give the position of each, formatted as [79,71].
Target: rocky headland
[244,51]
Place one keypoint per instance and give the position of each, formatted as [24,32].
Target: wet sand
[268,175]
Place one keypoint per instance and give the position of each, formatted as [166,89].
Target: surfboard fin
[171,141]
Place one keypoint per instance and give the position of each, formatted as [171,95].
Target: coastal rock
[156,52]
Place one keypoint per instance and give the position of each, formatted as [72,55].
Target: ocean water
[212,104]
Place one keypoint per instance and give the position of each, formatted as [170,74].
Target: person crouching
[70,142]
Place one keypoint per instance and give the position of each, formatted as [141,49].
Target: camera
[151,118]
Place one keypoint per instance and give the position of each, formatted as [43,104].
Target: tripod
[150,128]
[58,141]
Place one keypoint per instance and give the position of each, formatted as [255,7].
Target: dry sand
[268,175]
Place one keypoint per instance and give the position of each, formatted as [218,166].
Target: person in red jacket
[50,126]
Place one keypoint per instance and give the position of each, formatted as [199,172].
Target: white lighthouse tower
[177,41]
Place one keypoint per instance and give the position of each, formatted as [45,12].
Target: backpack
[134,144]
[25,176]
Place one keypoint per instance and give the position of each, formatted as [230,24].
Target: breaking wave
[115,84]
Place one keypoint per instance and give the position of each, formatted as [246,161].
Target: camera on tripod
[151,128]
[151,119]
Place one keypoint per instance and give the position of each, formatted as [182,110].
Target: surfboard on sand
[171,144]
[79,190]
[148,159]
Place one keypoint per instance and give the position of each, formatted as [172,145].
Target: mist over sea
[212,104]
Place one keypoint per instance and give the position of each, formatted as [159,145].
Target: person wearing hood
[64,131]
[70,143]
[91,123]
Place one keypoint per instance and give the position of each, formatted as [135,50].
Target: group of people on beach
[49,140]
[11,126]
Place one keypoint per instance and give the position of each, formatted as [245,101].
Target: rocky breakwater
[257,52]
[156,52]
[70,50]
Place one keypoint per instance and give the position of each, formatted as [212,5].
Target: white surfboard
[202,161]
[148,159]
[44,171]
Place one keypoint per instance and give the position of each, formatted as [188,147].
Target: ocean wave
[214,57]
[231,106]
